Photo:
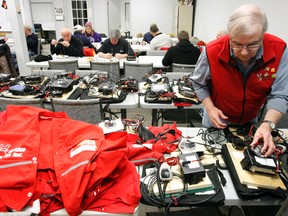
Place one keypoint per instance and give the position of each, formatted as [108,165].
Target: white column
[17,27]
[27,13]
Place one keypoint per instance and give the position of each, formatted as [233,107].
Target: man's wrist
[270,123]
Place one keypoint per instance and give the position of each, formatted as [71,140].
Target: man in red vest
[238,72]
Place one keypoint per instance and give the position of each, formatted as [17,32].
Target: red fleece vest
[238,100]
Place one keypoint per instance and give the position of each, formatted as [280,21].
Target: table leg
[123,113]
[154,117]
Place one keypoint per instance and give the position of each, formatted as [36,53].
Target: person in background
[67,45]
[147,36]
[238,72]
[91,34]
[31,40]
[221,33]
[7,66]
[159,39]
[78,33]
[139,35]
[183,53]
[115,46]
[2,41]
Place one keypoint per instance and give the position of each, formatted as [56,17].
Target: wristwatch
[271,124]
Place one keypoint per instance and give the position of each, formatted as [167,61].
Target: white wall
[114,14]
[100,16]
[145,12]
[212,16]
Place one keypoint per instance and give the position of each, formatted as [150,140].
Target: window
[79,12]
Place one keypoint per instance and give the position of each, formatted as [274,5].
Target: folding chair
[89,110]
[82,73]
[156,52]
[50,73]
[112,67]
[137,70]
[35,102]
[67,64]
[183,68]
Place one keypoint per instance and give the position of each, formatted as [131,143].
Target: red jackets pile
[64,163]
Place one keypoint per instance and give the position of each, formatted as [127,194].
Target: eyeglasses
[250,47]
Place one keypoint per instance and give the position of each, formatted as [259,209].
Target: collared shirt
[160,40]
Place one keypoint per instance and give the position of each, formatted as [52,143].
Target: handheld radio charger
[165,173]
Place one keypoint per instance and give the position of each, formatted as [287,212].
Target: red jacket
[238,100]
[62,162]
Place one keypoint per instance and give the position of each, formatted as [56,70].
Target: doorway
[119,14]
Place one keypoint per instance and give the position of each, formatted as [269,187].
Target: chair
[156,52]
[82,73]
[39,30]
[50,73]
[67,64]
[112,67]
[174,75]
[164,48]
[35,102]
[89,110]
[179,115]
[39,47]
[183,68]
[137,70]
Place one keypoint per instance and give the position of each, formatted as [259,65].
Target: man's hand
[264,132]
[54,42]
[216,117]
[120,56]
[215,114]
[65,43]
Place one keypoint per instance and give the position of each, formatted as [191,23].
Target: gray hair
[28,27]
[65,31]
[115,33]
[246,20]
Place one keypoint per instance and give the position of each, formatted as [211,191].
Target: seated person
[115,46]
[78,33]
[92,35]
[32,40]
[147,36]
[2,41]
[6,61]
[67,45]
[160,39]
[32,46]
[183,53]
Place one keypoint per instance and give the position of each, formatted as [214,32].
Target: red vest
[238,100]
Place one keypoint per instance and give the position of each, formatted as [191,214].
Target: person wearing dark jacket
[67,45]
[31,40]
[78,33]
[183,53]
